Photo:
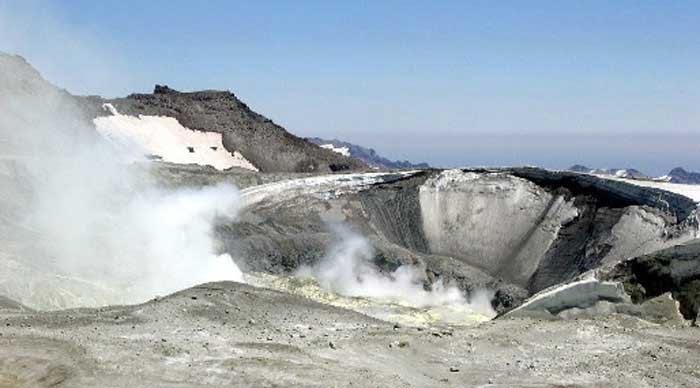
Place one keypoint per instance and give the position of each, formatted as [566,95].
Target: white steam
[85,228]
[161,241]
[347,270]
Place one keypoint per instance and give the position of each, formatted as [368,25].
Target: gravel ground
[229,334]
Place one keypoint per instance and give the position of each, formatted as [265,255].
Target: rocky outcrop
[675,270]
[258,139]
[662,287]
[610,193]
[584,293]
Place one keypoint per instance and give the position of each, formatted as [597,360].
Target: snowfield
[165,138]
[324,185]
[688,190]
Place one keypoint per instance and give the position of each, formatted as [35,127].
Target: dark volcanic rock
[265,144]
[394,210]
[585,242]
[675,270]
[580,246]
[612,193]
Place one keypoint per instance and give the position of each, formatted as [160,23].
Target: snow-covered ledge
[584,292]
[165,138]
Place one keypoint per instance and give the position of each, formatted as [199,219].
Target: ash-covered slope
[27,100]
[368,155]
[268,146]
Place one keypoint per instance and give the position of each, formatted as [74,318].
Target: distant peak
[579,168]
[678,170]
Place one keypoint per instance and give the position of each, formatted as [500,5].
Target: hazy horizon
[450,83]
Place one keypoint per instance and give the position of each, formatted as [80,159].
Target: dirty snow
[326,186]
[165,138]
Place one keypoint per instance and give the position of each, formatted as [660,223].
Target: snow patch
[165,138]
[584,292]
[345,151]
[690,191]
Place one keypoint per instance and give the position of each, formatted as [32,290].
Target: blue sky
[605,83]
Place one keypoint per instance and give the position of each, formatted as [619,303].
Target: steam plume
[347,269]
[84,221]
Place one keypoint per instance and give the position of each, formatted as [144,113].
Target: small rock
[454,369]
[332,345]
[251,321]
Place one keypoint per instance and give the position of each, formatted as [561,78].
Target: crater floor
[229,334]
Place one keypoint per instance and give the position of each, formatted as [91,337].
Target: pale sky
[607,84]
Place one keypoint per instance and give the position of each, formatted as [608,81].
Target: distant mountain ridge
[368,155]
[676,175]
[680,175]
[630,173]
